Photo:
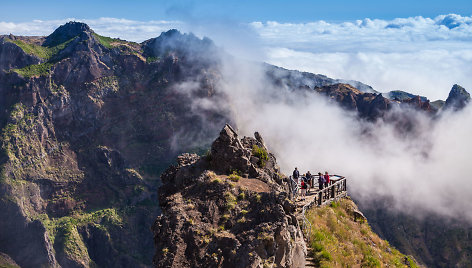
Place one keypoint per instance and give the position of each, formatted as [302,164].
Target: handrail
[333,191]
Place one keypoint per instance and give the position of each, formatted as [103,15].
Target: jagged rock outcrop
[458,98]
[210,219]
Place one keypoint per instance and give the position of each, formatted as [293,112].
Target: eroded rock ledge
[227,209]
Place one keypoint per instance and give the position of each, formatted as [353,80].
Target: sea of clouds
[421,55]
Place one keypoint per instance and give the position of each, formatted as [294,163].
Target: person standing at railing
[327,180]
[304,186]
[309,180]
[321,181]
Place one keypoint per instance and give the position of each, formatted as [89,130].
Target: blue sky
[241,11]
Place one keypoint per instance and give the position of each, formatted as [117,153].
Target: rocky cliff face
[227,209]
[88,123]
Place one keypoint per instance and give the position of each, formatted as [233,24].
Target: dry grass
[338,241]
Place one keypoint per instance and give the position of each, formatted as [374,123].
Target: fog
[424,171]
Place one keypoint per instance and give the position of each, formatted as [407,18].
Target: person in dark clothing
[309,180]
[321,181]
[296,175]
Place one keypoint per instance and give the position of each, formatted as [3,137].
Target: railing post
[320,198]
[332,191]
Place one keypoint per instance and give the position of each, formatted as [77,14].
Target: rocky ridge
[227,209]
[458,98]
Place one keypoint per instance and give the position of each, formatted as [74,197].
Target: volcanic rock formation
[227,209]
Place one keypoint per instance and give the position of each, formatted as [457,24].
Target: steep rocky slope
[433,241]
[227,209]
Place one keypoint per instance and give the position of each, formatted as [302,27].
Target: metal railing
[336,189]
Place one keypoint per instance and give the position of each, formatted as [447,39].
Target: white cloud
[424,171]
[422,55]
[131,30]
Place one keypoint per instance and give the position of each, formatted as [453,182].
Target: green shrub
[230,201]
[234,177]
[153,59]
[324,255]
[217,181]
[260,153]
[370,261]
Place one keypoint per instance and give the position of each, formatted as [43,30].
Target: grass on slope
[339,241]
[109,42]
[40,51]
[34,70]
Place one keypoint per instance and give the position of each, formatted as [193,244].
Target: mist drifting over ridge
[419,170]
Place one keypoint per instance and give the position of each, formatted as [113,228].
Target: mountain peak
[458,98]
[66,32]
[186,43]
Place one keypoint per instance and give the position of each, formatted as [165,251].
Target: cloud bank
[422,55]
[423,171]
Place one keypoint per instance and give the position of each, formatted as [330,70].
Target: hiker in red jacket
[326,177]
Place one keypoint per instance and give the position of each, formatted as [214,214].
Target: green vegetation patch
[235,177]
[337,240]
[32,49]
[45,53]
[231,201]
[260,153]
[152,59]
[41,51]
[37,70]
[63,228]
[109,42]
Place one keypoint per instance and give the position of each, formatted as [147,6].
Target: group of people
[306,181]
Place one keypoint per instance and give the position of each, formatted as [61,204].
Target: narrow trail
[315,197]
[310,198]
